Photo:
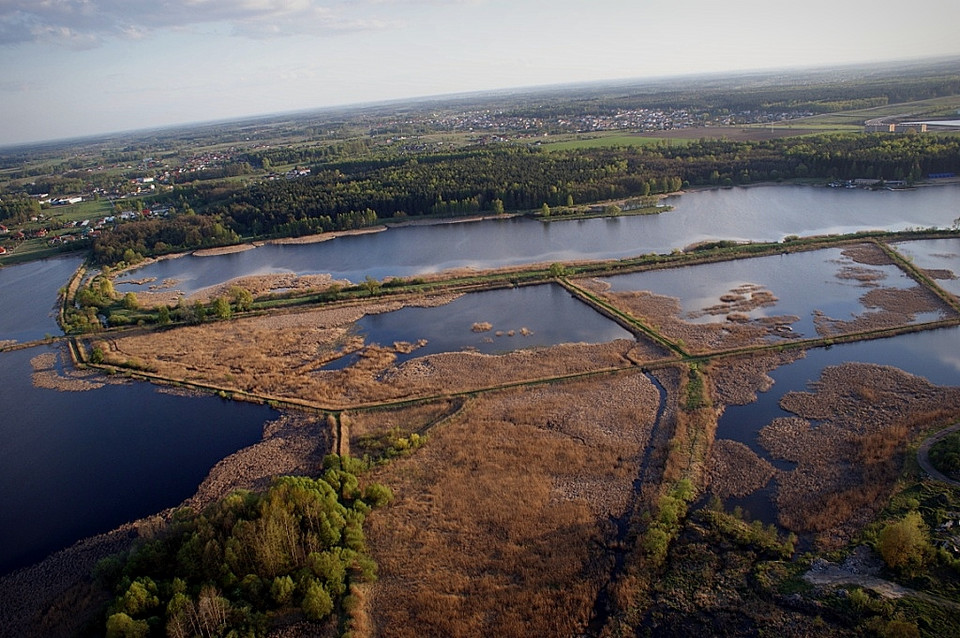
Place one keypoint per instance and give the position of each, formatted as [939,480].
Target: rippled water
[762,213]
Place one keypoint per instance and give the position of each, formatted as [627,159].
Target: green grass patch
[607,141]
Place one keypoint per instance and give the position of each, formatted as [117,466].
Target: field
[936,108]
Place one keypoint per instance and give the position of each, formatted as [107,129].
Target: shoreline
[291,444]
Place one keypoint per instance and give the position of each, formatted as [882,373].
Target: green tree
[903,544]
[242,297]
[130,301]
[545,210]
[282,590]
[163,315]
[221,308]
[317,603]
[497,207]
[123,626]
[371,285]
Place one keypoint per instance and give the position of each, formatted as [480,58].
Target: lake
[28,297]
[78,463]
[760,213]
[74,464]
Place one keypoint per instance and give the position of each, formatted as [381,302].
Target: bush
[903,544]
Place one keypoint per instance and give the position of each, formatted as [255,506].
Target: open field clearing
[935,108]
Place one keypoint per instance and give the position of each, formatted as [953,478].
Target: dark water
[801,282]
[73,464]
[28,297]
[550,315]
[760,214]
[933,354]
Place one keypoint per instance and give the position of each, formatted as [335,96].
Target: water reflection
[931,354]
[490,322]
[28,296]
[750,214]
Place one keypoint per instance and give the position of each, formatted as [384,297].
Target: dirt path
[923,455]
[827,574]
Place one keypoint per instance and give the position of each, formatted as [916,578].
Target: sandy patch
[320,237]
[222,250]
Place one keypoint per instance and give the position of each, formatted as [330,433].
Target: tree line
[351,194]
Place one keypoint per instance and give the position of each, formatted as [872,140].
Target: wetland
[552,398]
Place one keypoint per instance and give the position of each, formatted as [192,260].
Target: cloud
[87,23]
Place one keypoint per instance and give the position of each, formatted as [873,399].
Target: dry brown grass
[281,356]
[848,462]
[737,380]
[499,523]
[891,307]
[735,470]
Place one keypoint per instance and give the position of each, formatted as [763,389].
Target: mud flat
[57,596]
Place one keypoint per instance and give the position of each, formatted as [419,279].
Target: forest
[296,548]
[340,195]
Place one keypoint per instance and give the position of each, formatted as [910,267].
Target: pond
[491,322]
[931,354]
[939,256]
[74,464]
[761,213]
[825,280]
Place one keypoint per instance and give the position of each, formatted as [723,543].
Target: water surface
[761,213]
[802,283]
[524,317]
[28,297]
[932,354]
[937,255]
[74,464]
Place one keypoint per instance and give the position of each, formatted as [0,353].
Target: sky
[71,68]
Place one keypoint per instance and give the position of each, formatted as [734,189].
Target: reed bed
[848,463]
[282,356]
[736,470]
[499,524]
